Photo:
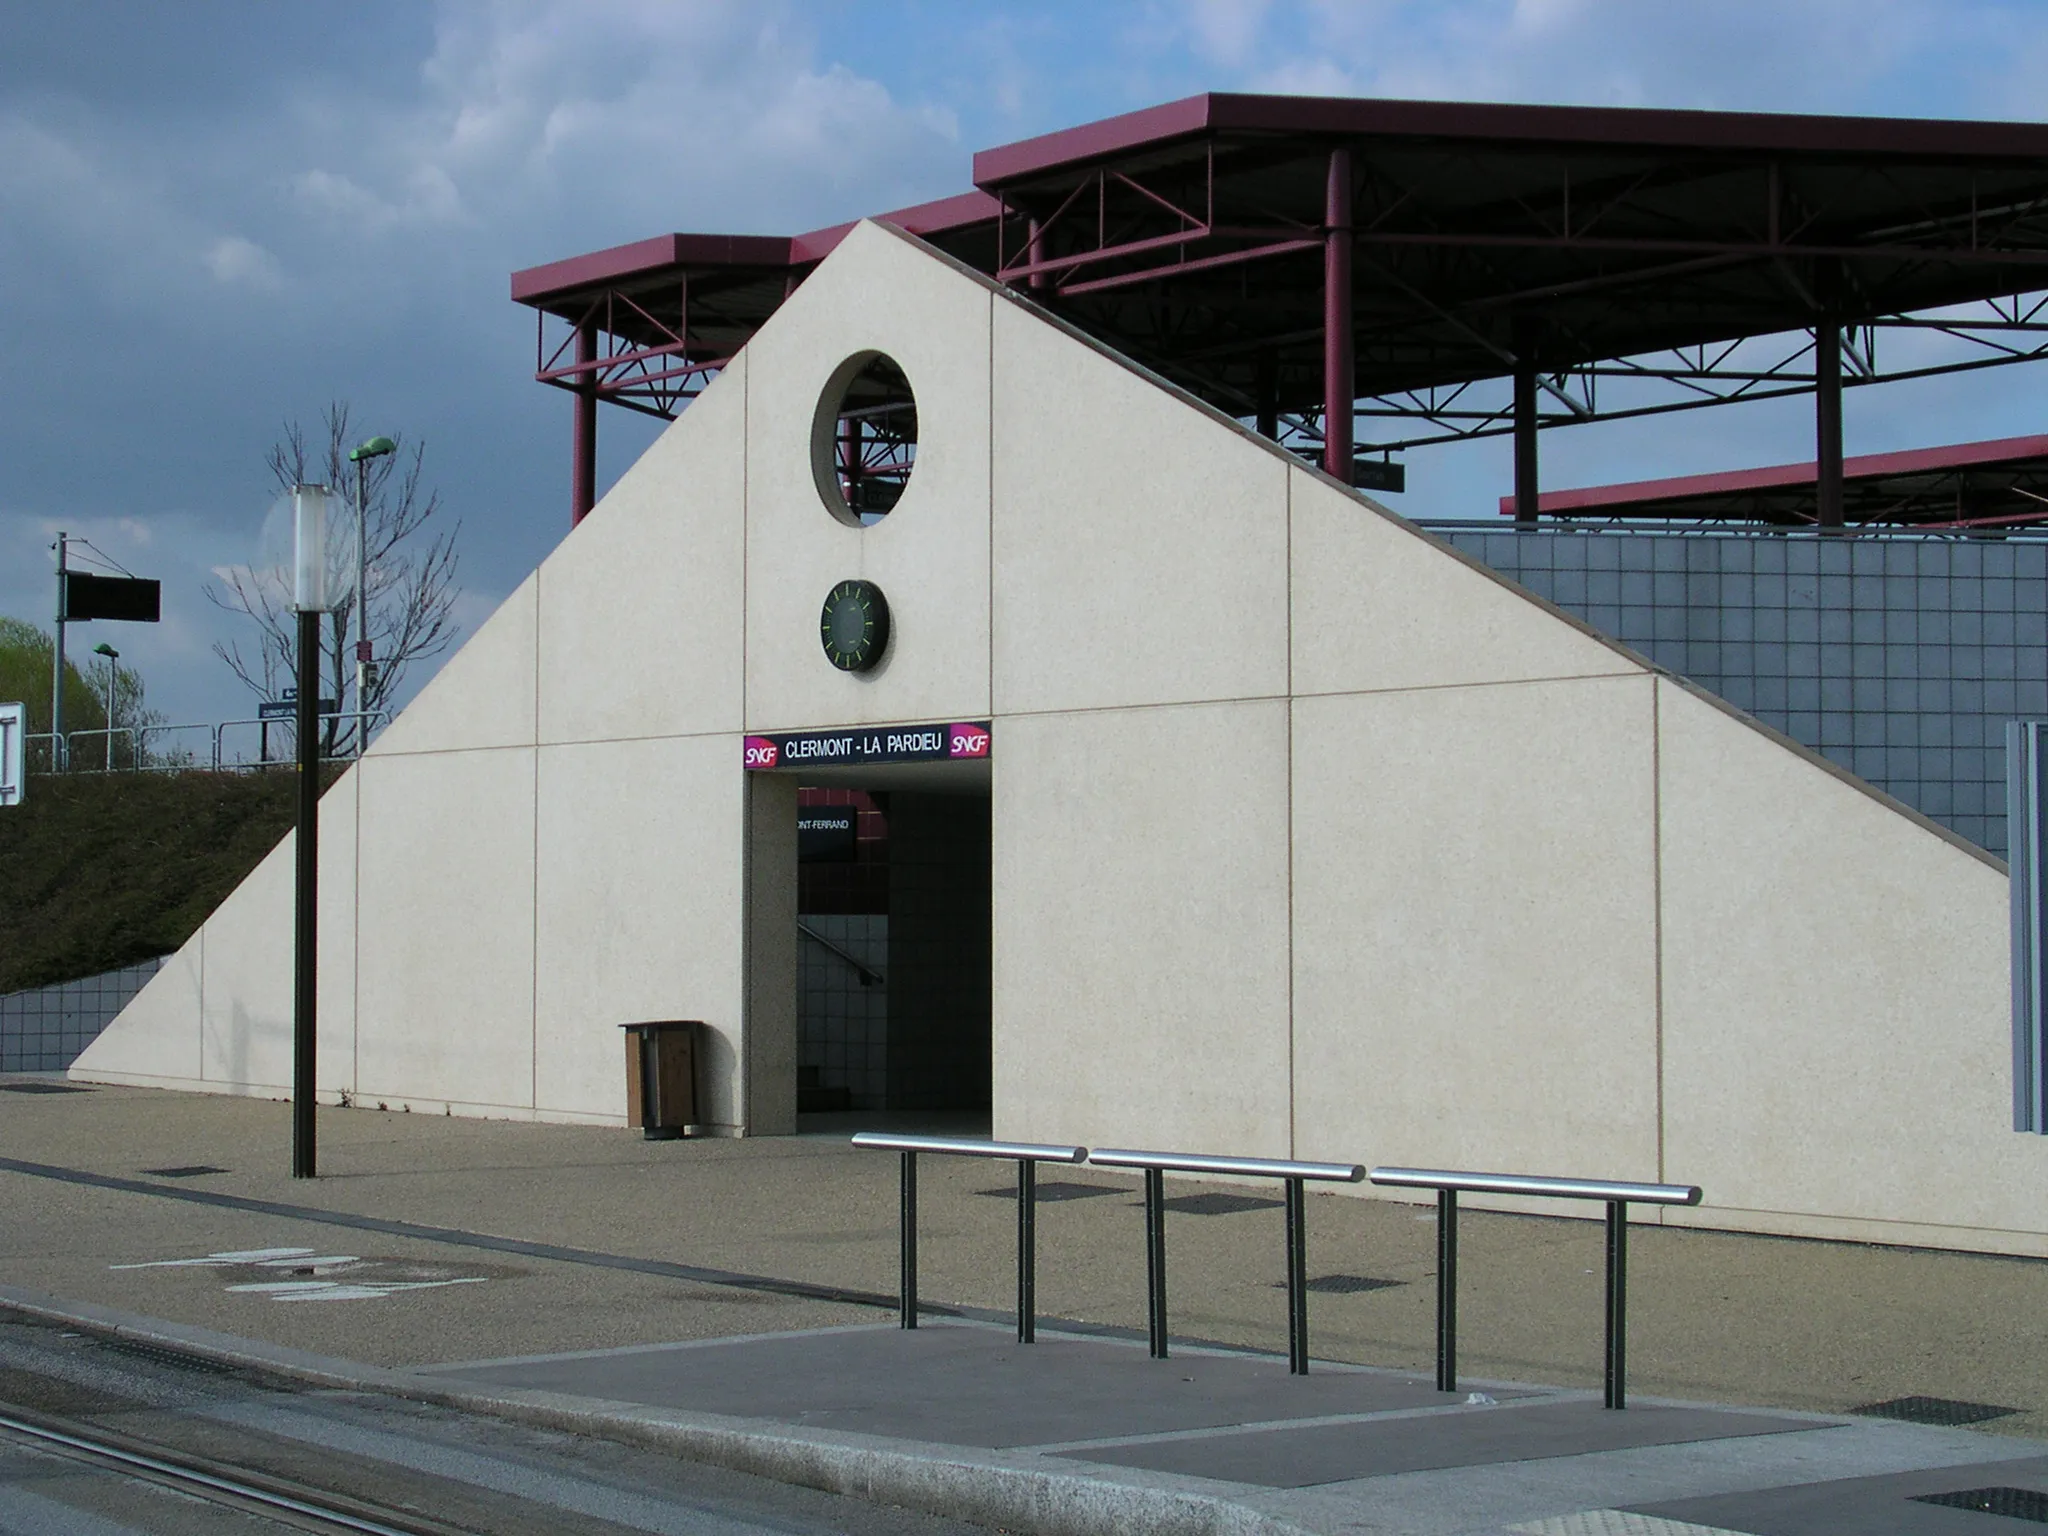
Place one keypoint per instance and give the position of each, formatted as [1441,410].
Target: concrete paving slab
[1874,1506]
[966,1385]
[1299,1456]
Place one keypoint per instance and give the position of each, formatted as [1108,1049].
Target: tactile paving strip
[1616,1522]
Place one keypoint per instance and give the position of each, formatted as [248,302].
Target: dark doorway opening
[893,951]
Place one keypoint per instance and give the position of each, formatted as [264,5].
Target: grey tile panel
[1897,657]
[46,1028]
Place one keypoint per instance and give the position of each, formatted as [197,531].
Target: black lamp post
[314,592]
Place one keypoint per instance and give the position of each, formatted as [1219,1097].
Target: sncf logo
[967,741]
[761,752]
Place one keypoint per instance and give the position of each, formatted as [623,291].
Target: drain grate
[1344,1285]
[1220,1205]
[2013,1503]
[1933,1410]
[42,1088]
[1055,1191]
[189,1171]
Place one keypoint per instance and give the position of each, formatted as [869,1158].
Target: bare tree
[409,592]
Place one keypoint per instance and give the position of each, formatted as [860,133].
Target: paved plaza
[734,1300]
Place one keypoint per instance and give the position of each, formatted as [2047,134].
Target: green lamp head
[375,448]
[106,650]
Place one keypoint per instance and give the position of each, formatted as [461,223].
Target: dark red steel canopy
[1998,484]
[1242,245]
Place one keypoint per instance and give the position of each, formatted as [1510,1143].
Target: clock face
[854,626]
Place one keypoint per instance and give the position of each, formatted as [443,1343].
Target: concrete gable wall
[1309,835]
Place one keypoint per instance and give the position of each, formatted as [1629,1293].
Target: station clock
[854,626]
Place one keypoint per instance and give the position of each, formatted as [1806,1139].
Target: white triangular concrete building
[1310,836]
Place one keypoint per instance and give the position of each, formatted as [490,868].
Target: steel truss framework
[1599,263]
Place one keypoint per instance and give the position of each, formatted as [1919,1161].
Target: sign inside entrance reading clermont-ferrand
[870,744]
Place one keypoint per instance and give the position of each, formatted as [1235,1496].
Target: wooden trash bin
[661,1076]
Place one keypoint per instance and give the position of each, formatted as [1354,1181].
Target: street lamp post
[375,448]
[312,595]
[112,655]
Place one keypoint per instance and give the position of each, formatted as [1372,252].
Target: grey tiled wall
[45,1029]
[1899,657]
[842,1026]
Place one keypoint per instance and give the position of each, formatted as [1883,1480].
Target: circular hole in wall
[864,445]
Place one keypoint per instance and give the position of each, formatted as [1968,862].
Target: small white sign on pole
[13,751]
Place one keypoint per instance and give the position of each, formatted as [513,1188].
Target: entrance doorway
[894,996]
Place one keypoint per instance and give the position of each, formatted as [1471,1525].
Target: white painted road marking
[307,1261]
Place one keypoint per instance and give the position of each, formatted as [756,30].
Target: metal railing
[1293,1174]
[1618,1196]
[141,735]
[364,717]
[1026,1155]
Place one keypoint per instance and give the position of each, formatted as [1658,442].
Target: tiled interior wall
[1899,657]
[45,1029]
[843,1025]
[842,1036]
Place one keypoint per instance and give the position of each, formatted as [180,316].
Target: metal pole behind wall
[1526,488]
[1269,395]
[1827,422]
[57,753]
[583,448]
[1340,383]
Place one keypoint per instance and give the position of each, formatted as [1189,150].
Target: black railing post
[1617,1303]
[1155,1259]
[1447,1290]
[1027,1250]
[1297,1278]
[908,1218]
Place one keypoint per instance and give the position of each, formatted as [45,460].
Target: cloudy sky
[222,214]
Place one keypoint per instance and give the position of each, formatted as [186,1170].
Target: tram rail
[295,1505]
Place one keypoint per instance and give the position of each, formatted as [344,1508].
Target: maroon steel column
[583,449]
[1827,422]
[1038,281]
[1340,382]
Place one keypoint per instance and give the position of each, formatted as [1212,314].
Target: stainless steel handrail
[1243,1167]
[1027,1155]
[1618,1194]
[868,976]
[1293,1174]
[1536,1184]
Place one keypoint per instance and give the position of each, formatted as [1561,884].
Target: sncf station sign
[870,744]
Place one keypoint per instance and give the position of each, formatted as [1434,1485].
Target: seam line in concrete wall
[1503,682]
[1287,554]
[1657,897]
